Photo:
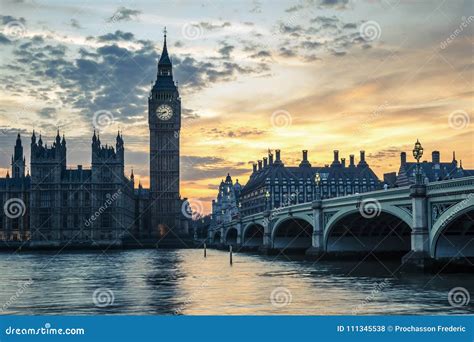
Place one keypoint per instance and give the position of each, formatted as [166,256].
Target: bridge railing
[434,187]
[449,184]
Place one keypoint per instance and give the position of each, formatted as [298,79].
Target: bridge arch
[452,235]
[231,236]
[252,235]
[388,230]
[292,233]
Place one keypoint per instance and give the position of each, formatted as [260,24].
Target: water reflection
[171,282]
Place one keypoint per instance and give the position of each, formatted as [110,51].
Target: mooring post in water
[205,252]
[230,254]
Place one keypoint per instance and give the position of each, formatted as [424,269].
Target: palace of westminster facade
[55,206]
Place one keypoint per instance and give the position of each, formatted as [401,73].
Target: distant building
[432,171]
[296,184]
[60,207]
[201,226]
[79,206]
[14,195]
[225,207]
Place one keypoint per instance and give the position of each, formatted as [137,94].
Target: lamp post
[417,154]
[267,200]
[317,181]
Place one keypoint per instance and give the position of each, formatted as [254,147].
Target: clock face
[164,112]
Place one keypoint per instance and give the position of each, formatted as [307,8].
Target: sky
[319,75]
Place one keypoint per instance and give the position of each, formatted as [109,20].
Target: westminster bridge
[421,222]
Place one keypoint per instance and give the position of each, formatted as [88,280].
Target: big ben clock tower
[164,119]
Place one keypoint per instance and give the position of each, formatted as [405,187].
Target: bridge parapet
[424,209]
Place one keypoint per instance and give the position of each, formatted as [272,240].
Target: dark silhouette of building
[272,184]
[164,118]
[431,171]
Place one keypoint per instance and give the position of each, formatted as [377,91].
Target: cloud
[4,40]
[226,50]
[47,112]
[207,167]
[5,19]
[212,26]
[336,4]
[390,152]
[124,14]
[109,77]
[262,54]
[116,36]
[228,132]
[75,23]
[285,52]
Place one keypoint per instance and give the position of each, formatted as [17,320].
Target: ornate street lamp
[317,181]
[417,154]
[267,199]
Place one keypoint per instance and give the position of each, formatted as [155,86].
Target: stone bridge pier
[421,225]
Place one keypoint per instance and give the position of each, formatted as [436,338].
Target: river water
[168,282]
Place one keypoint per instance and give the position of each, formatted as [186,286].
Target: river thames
[170,282]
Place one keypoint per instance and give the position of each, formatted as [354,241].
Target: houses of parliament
[56,206]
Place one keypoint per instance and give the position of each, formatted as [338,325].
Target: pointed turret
[164,59]
[58,139]
[165,67]
[18,160]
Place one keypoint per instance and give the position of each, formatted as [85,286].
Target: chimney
[259,165]
[265,163]
[277,155]
[403,158]
[336,162]
[254,167]
[305,161]
[343,162]
[79,167]
[351,160]
[435,157]
[270,159]
[362,161]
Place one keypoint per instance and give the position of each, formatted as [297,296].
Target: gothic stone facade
[59,206]
[164,118]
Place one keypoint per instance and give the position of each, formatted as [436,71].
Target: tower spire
[165,60]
